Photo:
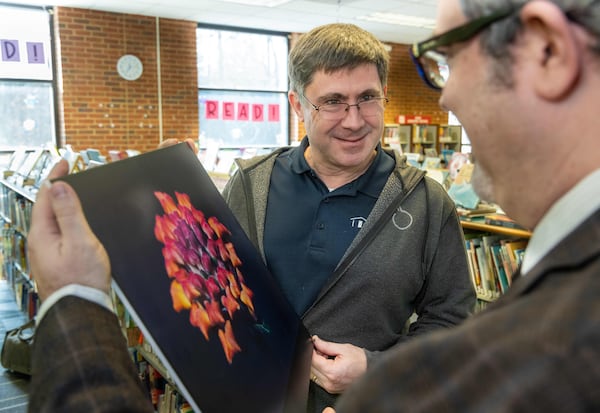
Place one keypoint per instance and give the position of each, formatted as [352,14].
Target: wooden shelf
[478,226]
[153,359]
[24,192]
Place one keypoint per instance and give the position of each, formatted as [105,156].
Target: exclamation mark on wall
[35,52]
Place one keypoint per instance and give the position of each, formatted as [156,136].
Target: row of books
[21,259]
[5,202]
[164,395]
[493,259]
[502,220]
[20,213]
[171,401]
[488,214]
[162,392]
[26,296]
[15,208]
[28,167]
[14,256]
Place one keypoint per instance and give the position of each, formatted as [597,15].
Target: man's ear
[296,105]
[554,49]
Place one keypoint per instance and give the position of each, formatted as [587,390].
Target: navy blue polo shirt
[308,228]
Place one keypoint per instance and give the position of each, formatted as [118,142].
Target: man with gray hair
[523,77]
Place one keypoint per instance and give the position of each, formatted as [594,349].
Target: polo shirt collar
[298,162]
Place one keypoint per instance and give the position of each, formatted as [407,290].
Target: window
[242,80]
[27,116]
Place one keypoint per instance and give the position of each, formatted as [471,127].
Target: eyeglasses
[432,65]
[367,106]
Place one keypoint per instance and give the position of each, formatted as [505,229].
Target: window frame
[52,82]
[284,120]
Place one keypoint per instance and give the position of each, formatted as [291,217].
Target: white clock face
[130,67]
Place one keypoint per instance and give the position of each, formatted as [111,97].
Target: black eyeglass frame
[348,105]
[458,34]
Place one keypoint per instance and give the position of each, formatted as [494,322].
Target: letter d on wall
[10,50]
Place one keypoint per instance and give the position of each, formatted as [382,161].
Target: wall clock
[130,67]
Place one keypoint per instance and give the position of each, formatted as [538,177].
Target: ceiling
[291,16]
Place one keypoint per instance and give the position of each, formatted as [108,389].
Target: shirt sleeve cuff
[87,293]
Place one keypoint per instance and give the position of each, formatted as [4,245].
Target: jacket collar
[580,246]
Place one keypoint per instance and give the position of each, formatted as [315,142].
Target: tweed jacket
[537,349]
[81,363]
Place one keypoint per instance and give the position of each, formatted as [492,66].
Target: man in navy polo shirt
[358,240]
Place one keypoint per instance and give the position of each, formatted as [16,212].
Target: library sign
[24,59]
[413,119]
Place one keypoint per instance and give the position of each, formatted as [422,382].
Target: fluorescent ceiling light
[399,19]
[264,3]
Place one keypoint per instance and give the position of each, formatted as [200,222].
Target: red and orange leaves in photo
[204,268]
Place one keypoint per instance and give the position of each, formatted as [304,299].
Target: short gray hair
[334,47]
[496,40]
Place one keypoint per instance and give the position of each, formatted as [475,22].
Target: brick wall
[103,111]
[407,92]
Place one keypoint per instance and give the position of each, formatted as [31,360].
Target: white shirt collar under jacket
[563,217]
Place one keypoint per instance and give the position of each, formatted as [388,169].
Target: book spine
[503,223]
[486,279]
[502,276]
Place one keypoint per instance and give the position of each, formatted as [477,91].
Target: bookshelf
[449,138]
[424,136]
[511,232]
[397,136]
[15,213]
[494,253]
[19,183]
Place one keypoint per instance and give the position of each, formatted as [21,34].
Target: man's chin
[482,184]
